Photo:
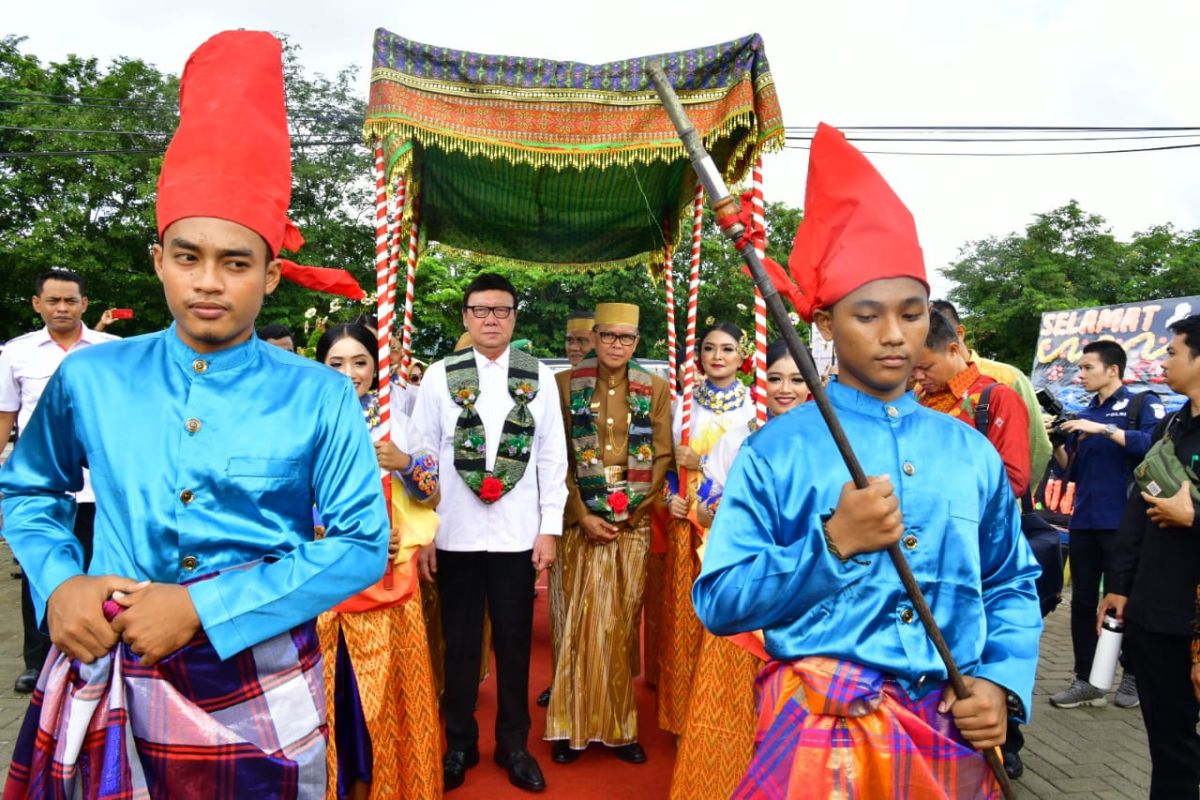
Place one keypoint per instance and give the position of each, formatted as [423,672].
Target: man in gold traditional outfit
[618,421]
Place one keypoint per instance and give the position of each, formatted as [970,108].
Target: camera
[1051,406]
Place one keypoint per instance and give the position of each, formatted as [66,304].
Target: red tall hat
[231,156]
[855,229]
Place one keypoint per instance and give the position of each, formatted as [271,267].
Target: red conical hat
[231,156]
[855,229]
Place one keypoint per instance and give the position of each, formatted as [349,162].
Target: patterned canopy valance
[562,164]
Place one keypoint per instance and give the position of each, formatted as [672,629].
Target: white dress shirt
[26,366]
[535,504]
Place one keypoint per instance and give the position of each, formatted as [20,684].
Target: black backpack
[1043,538]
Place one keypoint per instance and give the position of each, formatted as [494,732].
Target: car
[655,366]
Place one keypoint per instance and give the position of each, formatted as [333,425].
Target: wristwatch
[1110,430]
[1016,708]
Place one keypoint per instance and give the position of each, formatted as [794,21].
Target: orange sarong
[830,728]
[395,681]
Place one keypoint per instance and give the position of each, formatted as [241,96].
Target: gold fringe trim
[653,261]
[606,97]
[399,138]
[753,143]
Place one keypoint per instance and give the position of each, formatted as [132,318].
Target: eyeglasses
[627,339]
[481,312]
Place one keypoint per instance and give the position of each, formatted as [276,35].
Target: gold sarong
[718,739]
[656,567]
[592,697]
[395,684]
[680,632]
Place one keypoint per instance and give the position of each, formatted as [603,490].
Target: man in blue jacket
[1105,443]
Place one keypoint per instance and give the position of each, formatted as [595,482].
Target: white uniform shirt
[535,504]
[26,366]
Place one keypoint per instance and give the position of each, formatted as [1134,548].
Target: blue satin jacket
[202,462]
[767,565]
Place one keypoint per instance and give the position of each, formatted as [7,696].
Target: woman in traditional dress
[718,739]
[722,404]
[383,720]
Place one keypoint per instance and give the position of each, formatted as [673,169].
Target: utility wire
[790,136]
[142,150]
[95,101]
[798,137]
[1016,155]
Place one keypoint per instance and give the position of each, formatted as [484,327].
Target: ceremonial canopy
[557,163]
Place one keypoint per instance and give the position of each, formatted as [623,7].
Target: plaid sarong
[830,728]
[191,726]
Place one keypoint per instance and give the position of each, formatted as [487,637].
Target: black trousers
[465,580]
[1089,553]
[36,644]
[1163,664]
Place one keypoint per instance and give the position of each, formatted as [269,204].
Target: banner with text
[1141,328]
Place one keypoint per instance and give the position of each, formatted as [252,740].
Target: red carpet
[598,773]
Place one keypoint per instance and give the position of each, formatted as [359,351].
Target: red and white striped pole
[410,282]
[759,221]
[672,353]
[689,342]
[382,432]
[395,237]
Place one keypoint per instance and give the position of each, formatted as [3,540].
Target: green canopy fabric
[560,164]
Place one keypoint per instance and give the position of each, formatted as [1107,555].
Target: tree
[94,211]
[1066,258]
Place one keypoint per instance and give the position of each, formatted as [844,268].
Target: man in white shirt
[25,368]
[491,414]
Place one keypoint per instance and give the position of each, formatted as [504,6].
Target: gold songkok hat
[464,342]
[580,325]
[617,314]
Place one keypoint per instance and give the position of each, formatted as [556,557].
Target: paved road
[1082,753]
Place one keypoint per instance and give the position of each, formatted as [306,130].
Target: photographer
[1102,446]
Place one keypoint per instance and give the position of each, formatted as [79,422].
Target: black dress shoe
[631,753]
[455,765]
[543,699]
[523,770]
[1013,766]
[562,753]
[26,681]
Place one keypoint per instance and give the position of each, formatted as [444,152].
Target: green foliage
[91,214]
[333,192]
[1066,258]
[95,214]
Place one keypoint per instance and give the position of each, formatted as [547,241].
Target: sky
[1019,62]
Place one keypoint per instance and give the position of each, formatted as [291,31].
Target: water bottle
[1108,649]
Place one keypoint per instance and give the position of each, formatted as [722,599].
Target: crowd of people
[281,585]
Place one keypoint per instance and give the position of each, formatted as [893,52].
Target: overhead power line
[1016,154]
[1001,137]
[147,150]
